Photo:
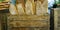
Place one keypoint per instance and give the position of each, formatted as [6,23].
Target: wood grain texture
[28,22]
[57,18]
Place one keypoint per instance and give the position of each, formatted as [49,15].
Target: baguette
[12,7]
[41,7]
[29,7]
[20,7]
[38,8]
[45,7]
[13,10]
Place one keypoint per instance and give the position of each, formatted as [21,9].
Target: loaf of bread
[12,7]
[20,9]
[38,7]
[20,6]
[29,7]
[13,10]
[45,6]
[41,7]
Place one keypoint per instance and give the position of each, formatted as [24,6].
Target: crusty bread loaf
[13,10]
[20,6]
[12,7]
[29,7]
[4,5]
[38,7]
[41,7]
[45,6]
[20,9]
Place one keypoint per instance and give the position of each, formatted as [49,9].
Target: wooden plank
[34,22]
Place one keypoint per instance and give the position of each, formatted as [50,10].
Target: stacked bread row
[29,7]
[4,5]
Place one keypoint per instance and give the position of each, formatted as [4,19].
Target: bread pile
[4,5]
[29,7]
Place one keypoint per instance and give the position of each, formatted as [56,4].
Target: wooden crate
[57,18]
[25,22]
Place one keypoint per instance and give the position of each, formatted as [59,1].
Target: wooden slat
[27,21]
